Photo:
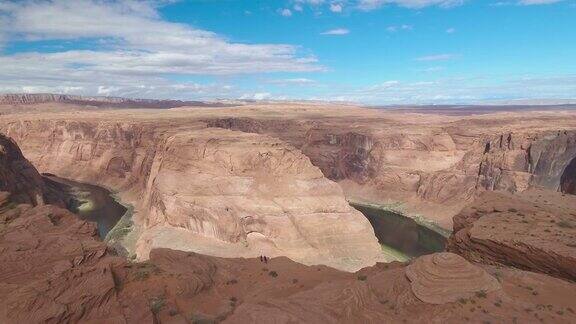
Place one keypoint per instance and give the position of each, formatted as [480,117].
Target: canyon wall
[446,167]
[207,190]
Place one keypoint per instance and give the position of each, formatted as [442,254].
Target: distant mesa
[96,101]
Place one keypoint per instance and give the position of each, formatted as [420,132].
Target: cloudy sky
[369,51]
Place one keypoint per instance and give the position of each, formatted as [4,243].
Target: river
[92,203]
[400,234]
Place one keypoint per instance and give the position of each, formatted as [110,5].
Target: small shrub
[201,319]
[362,277]
[273,274]
[156,304]
[565,224]
[481,294]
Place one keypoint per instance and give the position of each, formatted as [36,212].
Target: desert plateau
[486,201]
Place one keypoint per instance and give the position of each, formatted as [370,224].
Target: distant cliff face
[445,166]
[515,162]
[112,102]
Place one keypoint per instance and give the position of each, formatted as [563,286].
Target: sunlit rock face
[516,162]
[241,194]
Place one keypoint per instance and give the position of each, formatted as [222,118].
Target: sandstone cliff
[516,162]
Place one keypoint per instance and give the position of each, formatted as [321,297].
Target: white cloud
[129,45]
[464,90]
[256,96]
[433,69]
[537,2]
[336,7]
[337,32]
[393,29]
[285,12]
[437,57]
[451,30]
[294,81]
[416,4]
[311,2]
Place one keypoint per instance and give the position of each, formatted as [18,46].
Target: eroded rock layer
[534,230]
[446,277]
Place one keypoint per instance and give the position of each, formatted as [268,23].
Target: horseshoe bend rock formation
[227,193]
[208,190]
[534,230]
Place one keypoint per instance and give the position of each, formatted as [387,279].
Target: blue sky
[368,51]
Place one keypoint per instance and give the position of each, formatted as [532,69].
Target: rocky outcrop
[446,277]
[534,230]
[20,179]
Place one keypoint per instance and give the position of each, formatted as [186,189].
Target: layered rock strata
[534,230]
[446,277]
